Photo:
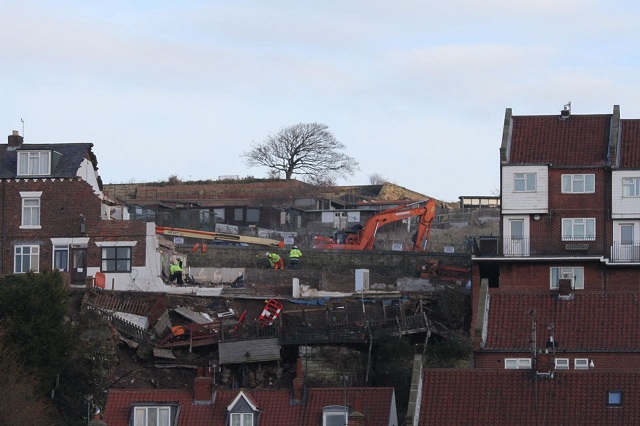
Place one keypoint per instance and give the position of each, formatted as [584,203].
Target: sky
[415,90]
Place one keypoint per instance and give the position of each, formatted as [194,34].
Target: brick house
[570,241]
[55,216]
[555,297]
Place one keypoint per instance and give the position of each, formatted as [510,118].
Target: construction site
[341,312]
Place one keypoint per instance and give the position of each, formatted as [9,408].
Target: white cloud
[416,90]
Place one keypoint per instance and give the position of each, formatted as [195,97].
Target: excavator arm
[365,238]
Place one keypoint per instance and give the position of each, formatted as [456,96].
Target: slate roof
[276,407]
[580,140]
[630,144]
[72,155]
[590,322]
[511,397]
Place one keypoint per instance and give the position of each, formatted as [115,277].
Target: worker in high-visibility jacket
[275,260]
[294,257]
[175,271]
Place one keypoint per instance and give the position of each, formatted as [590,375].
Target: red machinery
[365,238]
[271,311]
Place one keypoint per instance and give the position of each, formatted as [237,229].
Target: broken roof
[71,157]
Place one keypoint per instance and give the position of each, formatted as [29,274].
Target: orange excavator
[365,238]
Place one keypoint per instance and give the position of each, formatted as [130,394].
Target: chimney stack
[298,382]
[15,140]
[564,286]
[203,387]
[356,418]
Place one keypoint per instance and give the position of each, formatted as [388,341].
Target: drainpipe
[4,223]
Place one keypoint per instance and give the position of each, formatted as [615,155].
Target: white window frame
[574,273]
[631,187]
[141,416]
[335,412]
[517,363]
[19,255]
[241,419]
[30,209]
[571,184]
[60,248]
[527,180]
[571,229]
[581,364]
[34,163]
[562,363]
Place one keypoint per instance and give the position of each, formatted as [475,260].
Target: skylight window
[614,397]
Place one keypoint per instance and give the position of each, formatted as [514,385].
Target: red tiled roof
[118,411]
[376,403]
[276,408]
[580,140]
[587,322]
[507,397]
[630,143]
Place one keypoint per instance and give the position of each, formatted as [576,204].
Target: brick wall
[339,262]
[601,361]
[534,277]
[62,203]
[623,279]
[546,232]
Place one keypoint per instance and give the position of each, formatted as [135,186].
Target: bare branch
[307,149]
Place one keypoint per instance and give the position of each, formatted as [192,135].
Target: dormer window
[335,415]
[153,415]
[243,410]
[34,163]
[631,187]
[241,419]
[524,182]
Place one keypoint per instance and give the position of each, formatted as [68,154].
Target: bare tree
[377,179]
[307,149]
